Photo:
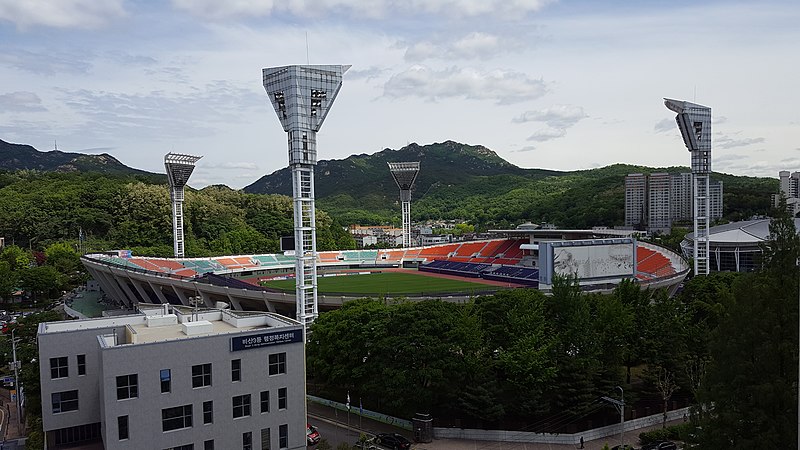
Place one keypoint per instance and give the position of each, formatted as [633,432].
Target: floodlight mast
[302,97]
[404,174]
[179,169]
[694,123]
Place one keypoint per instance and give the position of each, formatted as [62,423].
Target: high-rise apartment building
[659,217]
[654,202]
[636,200]
[790,189]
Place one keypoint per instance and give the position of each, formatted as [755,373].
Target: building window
[122,427]
[208,412]
[64,401]
[264,402]
[265,439]
[176,418]
[241,406]
[277,363]
[283,436]
[236,370]
[182,447]
[81,364]
[282,398]
[201,375]
[247,440]
[166,380]
[59,367]
[127,386]
[208,445]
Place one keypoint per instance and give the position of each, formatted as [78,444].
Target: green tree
[43,281]
[9,280]
[751,382]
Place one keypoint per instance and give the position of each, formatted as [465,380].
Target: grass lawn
[385,283]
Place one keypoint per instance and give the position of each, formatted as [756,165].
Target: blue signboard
[266,339]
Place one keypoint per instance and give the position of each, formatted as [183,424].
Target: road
[336,433]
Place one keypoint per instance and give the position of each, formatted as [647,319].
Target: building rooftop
[158,323]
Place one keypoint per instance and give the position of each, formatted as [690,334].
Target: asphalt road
[335,433]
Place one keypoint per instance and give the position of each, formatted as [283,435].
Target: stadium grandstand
[520,257]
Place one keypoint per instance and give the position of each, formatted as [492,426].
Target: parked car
[393,441]
[661,445]
[312,435]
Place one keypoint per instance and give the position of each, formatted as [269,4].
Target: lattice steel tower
[179,169]
[404,174]
[302,97]
[694,122]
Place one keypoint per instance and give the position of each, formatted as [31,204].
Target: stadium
[736,246]
[516,258]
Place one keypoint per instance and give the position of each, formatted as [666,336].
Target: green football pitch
[385,283]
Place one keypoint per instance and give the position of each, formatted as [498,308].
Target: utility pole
[620,405]
[16,373]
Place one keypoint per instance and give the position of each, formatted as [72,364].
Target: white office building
[171,377]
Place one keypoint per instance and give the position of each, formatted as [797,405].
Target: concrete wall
[555,438]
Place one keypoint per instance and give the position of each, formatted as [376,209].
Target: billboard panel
[594,261]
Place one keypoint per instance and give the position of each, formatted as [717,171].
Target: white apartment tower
[636,200]
[790,189]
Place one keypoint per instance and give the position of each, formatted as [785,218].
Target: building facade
[654,202]
[790,189]
[171,377]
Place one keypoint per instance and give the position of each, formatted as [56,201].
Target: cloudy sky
[547,84]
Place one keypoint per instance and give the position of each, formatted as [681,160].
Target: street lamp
[621,416]
[16,373]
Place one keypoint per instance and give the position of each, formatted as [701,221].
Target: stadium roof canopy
[751,232]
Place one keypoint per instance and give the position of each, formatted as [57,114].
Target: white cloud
[547,134]
[556,116]
[503,87]
[61,13]
[372,9]
[232,165]
[46,63]
[21,101]
[725,141]
[664,125]
[472,46]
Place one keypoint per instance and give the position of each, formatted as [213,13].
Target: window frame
[208,412]
[241,406]
[283,399]
[247,440]
[283,436]
[236,370]
[184,417]
[264,400]
[166,383]
[130,389]
[57,365]
[62,402]
[123,424]
[202,378]
[81,364]
[278,366]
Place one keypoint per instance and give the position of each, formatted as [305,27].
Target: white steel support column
[407,224]
[305,239]
[302,97]
[176,195]
[700,185]
[694,123]
[179,169]
[404,174]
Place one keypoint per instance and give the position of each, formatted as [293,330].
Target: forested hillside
[126,212]
[458,181]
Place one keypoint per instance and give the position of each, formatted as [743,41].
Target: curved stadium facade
[232,280]
[736,246]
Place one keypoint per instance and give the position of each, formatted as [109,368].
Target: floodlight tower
[404,174]
[302,97]
[694,122]
[179,169]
